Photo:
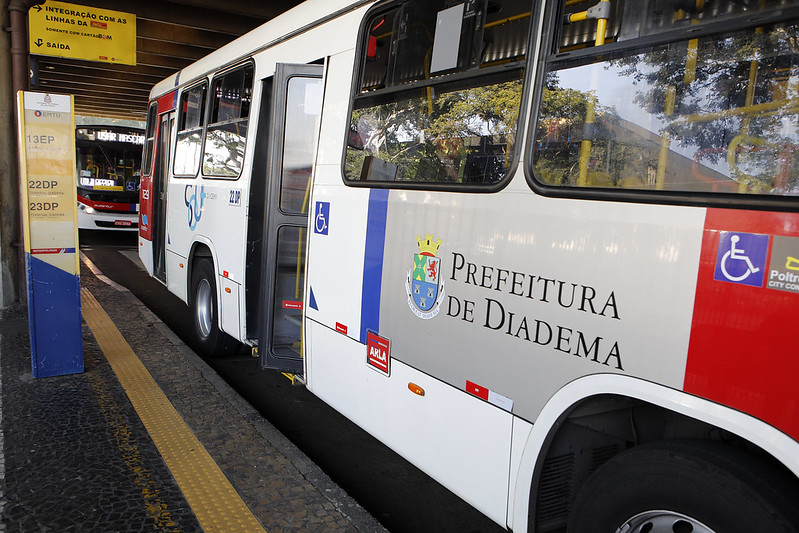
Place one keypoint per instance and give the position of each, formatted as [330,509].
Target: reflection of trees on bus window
[705,111]
[227,128]
[190,128]
[439,96]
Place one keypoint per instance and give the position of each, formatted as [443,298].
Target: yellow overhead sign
[80,32]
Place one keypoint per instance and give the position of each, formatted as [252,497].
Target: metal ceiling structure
[169,35]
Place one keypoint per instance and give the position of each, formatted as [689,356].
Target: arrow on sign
[37,8]
[38,42]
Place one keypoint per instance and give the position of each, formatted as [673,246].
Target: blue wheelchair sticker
[321,217]
[741,258]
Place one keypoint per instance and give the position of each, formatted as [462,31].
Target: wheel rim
[203,308]
[663,522]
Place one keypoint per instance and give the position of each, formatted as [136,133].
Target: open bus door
[296,109]
[160,177]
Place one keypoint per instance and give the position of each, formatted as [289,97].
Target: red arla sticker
[377,352]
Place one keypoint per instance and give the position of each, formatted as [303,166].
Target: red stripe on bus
[106,206]
[743,339]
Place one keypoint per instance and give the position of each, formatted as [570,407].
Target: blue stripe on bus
[373,261]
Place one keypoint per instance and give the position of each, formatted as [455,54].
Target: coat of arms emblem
[424,284]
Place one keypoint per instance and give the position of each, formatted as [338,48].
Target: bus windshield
[109,162]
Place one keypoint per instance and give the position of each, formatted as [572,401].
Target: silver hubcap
[663,522]
[203,308]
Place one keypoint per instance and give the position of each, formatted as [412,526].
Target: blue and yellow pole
[47,160]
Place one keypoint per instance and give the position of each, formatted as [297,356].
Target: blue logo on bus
[741,258]
[194,203]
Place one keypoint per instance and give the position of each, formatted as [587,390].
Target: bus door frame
[163,158]
[276,219]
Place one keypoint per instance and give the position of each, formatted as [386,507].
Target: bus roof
[293,22]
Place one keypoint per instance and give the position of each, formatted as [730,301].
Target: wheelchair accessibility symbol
[741,258]
[321,217]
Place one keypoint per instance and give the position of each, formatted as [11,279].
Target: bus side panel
[334,267]
[559,289]
[187,199]
[146,254]
[176,277]
[461,441]
[440,432]
[335,255]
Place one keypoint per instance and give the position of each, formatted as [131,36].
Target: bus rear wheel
[686,487]
[211,341]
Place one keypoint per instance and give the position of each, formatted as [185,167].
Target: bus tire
[211,341]
[684,485]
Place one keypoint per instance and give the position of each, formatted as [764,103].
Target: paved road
[399,495]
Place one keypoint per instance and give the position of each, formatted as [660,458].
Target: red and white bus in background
[547,251]
[109,171]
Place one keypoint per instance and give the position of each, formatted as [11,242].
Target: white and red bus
[109,170]
[547,251]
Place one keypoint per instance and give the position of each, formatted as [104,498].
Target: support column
[12,273]
[14,76]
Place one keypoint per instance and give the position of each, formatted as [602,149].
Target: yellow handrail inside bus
[601,15]
[691,57]
[508,20]
[789,105]
[301,238]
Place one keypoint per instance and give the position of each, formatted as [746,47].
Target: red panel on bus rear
[146,205]
[744,349]
[166,103]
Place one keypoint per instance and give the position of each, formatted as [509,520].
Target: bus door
[160,179]
[296,109]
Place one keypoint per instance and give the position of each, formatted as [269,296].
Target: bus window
[227,130]
[190,129]
[304,106]
[693,98]
[152,115]
[438,92]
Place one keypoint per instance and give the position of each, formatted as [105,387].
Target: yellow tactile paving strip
[215,502]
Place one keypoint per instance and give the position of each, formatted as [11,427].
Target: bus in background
[548,251]
[109,172]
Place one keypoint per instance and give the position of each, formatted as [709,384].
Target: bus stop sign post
[47,162]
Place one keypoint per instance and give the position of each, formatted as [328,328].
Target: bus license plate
[122,223]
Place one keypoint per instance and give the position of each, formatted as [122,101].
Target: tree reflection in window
[227,131]
[462,136]
[190,128]
[440,87]
[714,114]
